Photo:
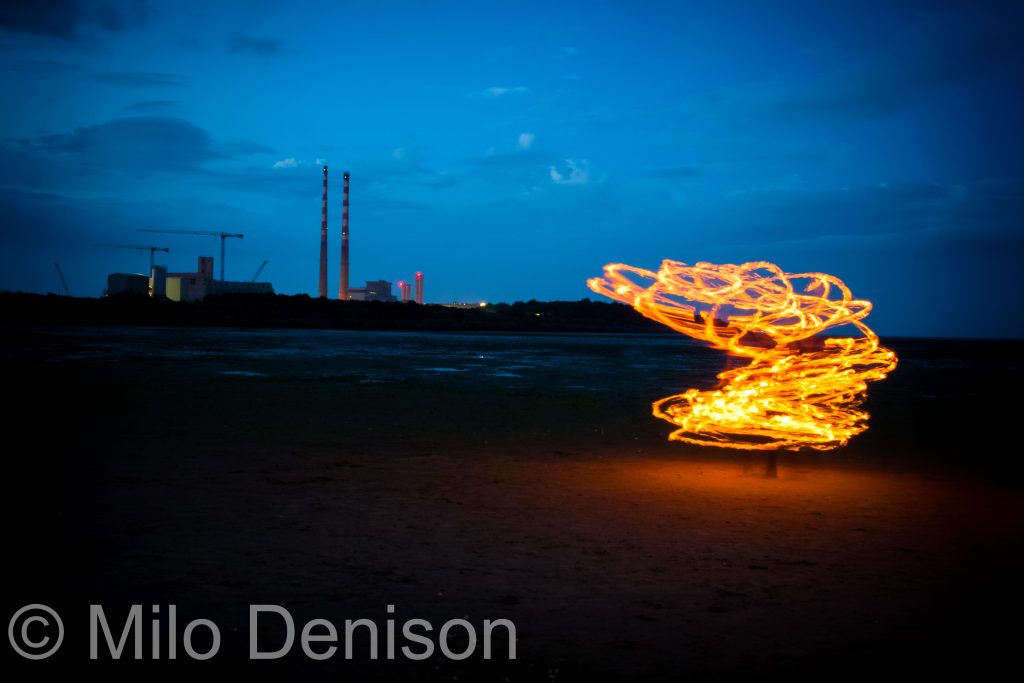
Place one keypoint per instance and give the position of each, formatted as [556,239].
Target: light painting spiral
[800,389]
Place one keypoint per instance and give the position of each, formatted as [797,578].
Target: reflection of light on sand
[829,554]
[719,478]
[711,486]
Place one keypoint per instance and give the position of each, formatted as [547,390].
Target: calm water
[941,402]
[592,362]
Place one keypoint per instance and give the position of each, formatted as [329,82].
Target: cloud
[69,19]
[134,143]
[941,50]
[497,91]
[256,46]
[574,173]
[295,162]
[525,141]
[786,212]
[671,172]
[59,18]
[141,79]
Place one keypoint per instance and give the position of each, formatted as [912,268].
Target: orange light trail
[800,388]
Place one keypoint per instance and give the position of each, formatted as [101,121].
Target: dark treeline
[302,311]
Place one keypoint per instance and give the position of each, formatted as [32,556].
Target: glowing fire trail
[799,390]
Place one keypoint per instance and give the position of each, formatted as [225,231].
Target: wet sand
[615,553]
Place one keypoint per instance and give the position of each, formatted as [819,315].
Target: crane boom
[259,270]
[152,250]
[212,233]
[63,282]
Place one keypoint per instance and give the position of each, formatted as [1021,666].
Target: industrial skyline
[374,289]
[509,151]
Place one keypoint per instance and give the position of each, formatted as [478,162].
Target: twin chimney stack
[343,281]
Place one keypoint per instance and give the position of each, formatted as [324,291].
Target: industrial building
[182,286]
[189,286]
[375,290]
[195,286]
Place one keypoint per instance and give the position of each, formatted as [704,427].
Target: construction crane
[212,233]
[152,250]
[63,282]
[259,270]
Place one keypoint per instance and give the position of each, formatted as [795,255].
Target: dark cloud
[68,19]
[671,172]
[20,168]
[919,210]
[137,143]
[59,18]
[141,79]
[85,158]
[257,46]
[943,49]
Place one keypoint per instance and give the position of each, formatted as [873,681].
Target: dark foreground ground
[216,481]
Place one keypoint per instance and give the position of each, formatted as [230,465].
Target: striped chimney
[343,280]
[322,289]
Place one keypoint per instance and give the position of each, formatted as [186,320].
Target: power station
[375,290]
[195,285]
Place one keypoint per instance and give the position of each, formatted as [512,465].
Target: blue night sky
[510,150]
